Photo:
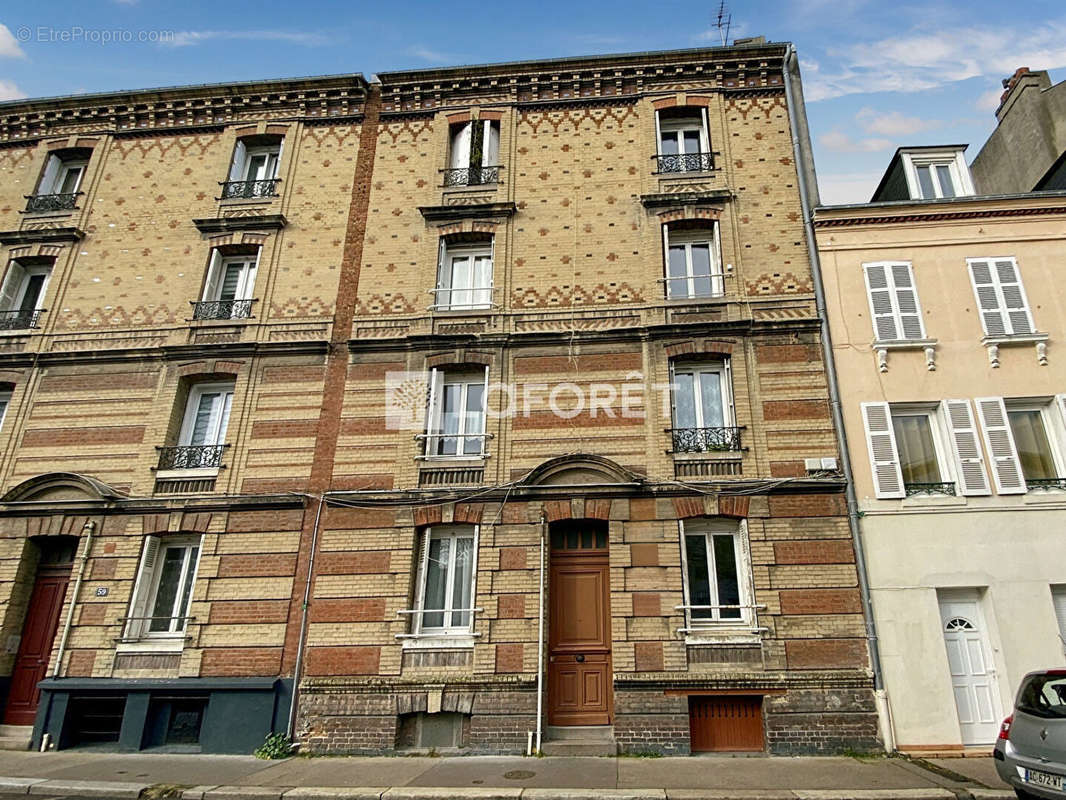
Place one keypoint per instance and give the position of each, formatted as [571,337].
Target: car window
[1044,696]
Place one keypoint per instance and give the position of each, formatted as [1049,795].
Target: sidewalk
[113,775]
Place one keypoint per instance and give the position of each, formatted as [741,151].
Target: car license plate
[1044,779]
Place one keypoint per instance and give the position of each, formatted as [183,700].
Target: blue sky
[876,74]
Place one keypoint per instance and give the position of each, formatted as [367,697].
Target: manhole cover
[518,774]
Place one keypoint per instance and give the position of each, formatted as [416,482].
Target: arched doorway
[579,624]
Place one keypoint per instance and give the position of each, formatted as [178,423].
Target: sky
[876,74]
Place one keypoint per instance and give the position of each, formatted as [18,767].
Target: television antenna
[724,22]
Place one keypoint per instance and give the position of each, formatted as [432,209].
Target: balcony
[45,203]
[20,320]
[471,176]
[943,488]
[705,440]
[454,445]
[249,190]
[1046,483]
[197,456]
[684,162]
[221,309]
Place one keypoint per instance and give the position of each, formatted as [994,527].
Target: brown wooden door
[38,633]
[579,639]
[728,723]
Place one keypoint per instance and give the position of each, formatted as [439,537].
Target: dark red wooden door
[726,724]
[38,633]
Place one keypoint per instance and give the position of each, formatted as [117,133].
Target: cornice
[685,198]
[41,236]
[936,216]
[475,211]
[259,222]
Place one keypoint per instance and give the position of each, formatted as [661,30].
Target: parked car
[1030,753]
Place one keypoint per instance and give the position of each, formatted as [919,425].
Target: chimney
[1022,79]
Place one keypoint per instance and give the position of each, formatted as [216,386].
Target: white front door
[973,679]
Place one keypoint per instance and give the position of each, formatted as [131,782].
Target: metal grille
[471,176]
[930,488]
[222,309]
[686,162]
[51,202]
[707,469]
[19,320]
[203,456]
[703,440]
[233,190]
[451,477]
[1046,483]
[196,486]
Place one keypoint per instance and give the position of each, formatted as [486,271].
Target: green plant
[276,745]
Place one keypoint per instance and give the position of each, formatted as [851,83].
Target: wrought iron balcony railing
[471,176]
[1046,483]
[705,440]
[454,445]
[19,320]
[222,309]
[945,488]
[685,162]
[38,203]
[246,190]
[196,456]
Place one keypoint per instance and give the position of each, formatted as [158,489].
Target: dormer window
[60,183]
[937,175]
[473,153]
[254,168]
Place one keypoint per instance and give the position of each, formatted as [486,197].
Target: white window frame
[464,633]
[438,380]
[146,589]
[17,282]
[746,623]
[725,382]
[241,162]
[893,291]
[5,403]
[886,466]
[952,159]
[461,139]
[216,275]
[678,124]
[938,429]
[687,238]
[1053,429]
[55,174]
[1001,301]
[444,294]
[220,421]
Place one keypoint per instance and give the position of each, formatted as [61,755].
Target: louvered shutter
[433,412]
[141,600]
[884,458]
[214,276]
[443,297]
[1006,468]
[1001,299]
[240,158]
[12,283]
[984,286]
[907,306]
[50,175]
[1015,303]
[422,564]
[969,463]
[460,155]
[879,292]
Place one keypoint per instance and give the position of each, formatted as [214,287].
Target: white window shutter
[213,284]
[969,462]
[884,458]
[907,306]
[993,319]
[433,400]
[420,577]
[141,599]
[658,135]
[879,293]
[9,294]
[1060,401]
[225,403]
[50,175]
[705,131]
[1006,468]
[460,156]
[277,160]
[490,154]
[240,159]
[1015,303]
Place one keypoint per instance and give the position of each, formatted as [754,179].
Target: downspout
[290,729]
[854,521]
[89,528]
[540,633]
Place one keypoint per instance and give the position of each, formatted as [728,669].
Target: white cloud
[190,38]
[847,187]
[9,46]
[989,101]
[893,123]
[917,61]
[432,56]
[840,142]
[9,91]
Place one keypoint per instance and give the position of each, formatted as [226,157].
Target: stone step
[579,747]
[15,730]
[594,733]
[15,742]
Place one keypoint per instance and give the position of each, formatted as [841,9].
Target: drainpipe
[540,633]
[89,528]
[290,729]
[854,522]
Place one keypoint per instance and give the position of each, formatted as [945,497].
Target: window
[254,168]
[1001,300]
[935,180]
[228,288]
[456,414]
[464,277]
[717,589]
[1035,451]
[703,409]
[684,144]
[163,590]
[22,294]
[693,266]
[1058,600]
[893,300]
[202,438]
[446,580]
[918,449]
[937,174]
[62,174]
[473,153]
[5,401]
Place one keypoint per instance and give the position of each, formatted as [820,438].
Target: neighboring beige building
[946,316]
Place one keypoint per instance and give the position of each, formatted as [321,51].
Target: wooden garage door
[728,723]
